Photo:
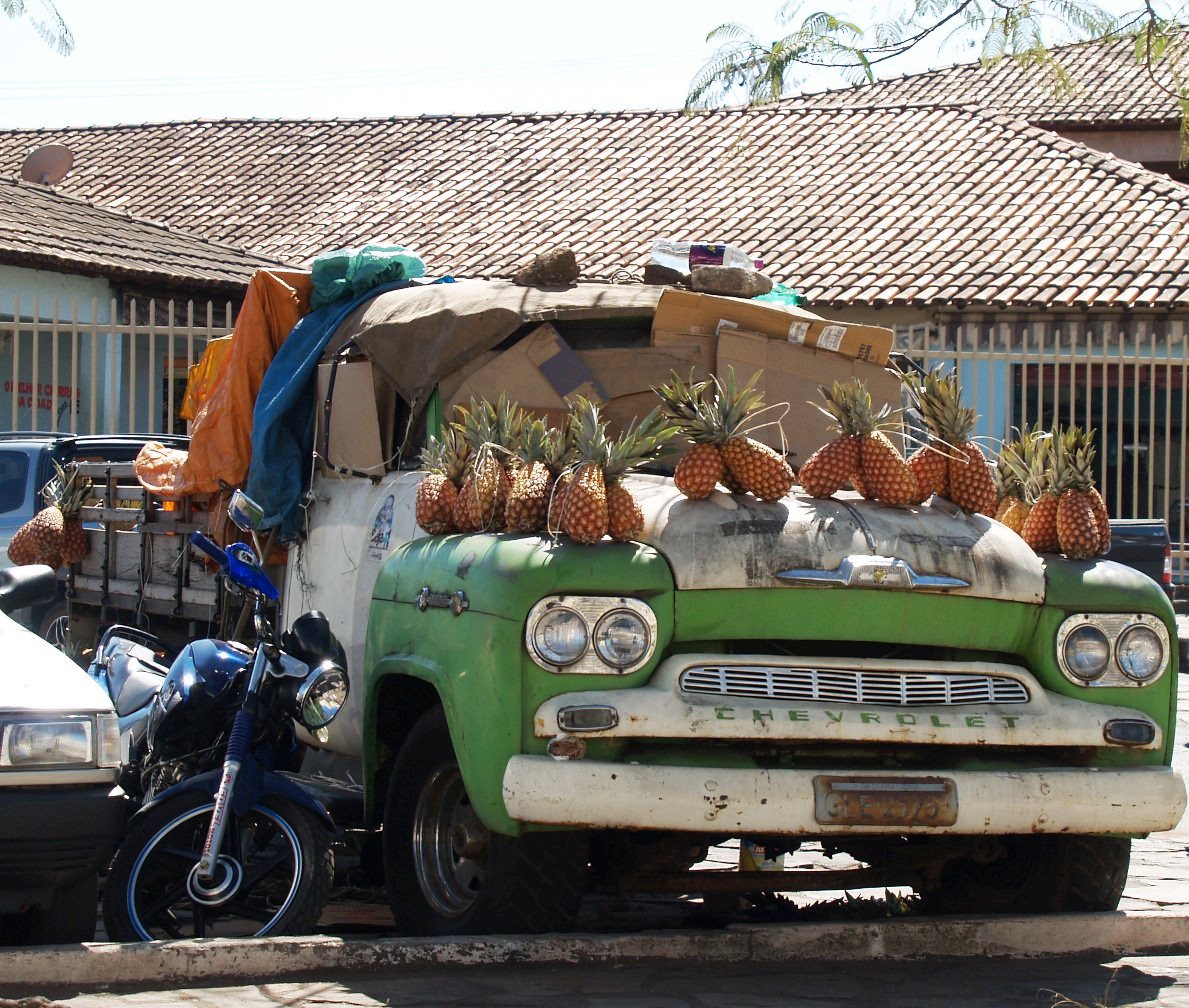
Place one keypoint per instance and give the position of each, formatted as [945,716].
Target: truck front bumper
[741,802]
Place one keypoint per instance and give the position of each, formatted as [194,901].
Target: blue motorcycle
[226,844]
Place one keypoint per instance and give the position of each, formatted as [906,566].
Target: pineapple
[444,461]
[584,514]
[532,480]
[969,480]
[1040,527]
[701,466]
[489,431]
[44,539]
[643,440]
[713,415]
[834,464]
[879,471]
[1018,470]
[1077,511]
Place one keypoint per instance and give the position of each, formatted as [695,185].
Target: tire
[1037,874]
[69,919]
[281,853]
[447,874]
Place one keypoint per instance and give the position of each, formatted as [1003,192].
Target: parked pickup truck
[1143,543]
[913,687]
[26,465]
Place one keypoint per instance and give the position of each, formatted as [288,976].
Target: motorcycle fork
[238,748]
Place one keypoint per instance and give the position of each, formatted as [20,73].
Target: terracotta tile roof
[44,229]
[1108,87]
[921,206]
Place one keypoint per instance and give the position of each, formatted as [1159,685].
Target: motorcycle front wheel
[273,877]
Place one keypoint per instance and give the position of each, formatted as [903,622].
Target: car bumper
[54,836]
[738,802]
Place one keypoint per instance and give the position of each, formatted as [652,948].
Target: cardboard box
[628,377]
[539,372]
[791,374]
[690,312]
[355,441]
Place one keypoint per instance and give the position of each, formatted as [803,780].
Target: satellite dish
[47,165]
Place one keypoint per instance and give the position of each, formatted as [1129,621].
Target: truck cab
[912,686]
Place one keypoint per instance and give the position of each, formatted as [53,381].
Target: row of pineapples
[1045,482]
[950,464]
[55,535]
[496,468]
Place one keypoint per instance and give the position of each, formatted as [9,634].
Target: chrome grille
[872,686]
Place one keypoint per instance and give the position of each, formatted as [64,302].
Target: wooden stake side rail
[140,561]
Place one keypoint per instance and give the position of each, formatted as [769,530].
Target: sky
[159,60]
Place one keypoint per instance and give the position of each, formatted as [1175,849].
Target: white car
[61,811]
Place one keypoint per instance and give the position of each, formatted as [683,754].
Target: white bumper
[737,802]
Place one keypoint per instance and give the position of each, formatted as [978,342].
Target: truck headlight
[621,638]
[560,636]
[590,634]
[1140,652]
[1087,652]
[1113,649]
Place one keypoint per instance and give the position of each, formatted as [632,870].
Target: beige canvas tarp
[418,335]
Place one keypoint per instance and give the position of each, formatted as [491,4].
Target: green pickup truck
[912,686]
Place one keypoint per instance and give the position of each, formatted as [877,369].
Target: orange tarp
[221,432]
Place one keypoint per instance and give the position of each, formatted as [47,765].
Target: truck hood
[736,541]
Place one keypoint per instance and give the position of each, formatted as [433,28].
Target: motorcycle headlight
[621,638]
[322,695]
[1087,652]
[1140,652]
[46,743]
[560,636]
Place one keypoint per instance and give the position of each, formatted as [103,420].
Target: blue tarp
[283,418]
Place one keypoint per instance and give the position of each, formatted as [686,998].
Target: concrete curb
[170,965]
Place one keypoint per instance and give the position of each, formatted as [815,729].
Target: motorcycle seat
[133,683]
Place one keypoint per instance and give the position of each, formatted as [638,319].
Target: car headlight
[1113,649]
[1140,652]
[560,636]
[621,638]
[590,634]
[322,695]
[47,743]
[1087,652]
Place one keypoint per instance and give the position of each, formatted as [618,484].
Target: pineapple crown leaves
[490,428]
[938,399]
[850,410]
[587,433]
[447,455]
[643,440]
[712,411]
[1076,452]
[67,491]
[532,444]
[1021,468]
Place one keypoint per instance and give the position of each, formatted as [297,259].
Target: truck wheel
[448,874]
[1036,874]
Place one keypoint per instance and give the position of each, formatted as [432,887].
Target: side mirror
[245,512]
[35,584]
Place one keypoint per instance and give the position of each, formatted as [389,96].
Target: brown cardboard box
[355,441]
[791,374]
[539,372]
[690,312]
[629,376]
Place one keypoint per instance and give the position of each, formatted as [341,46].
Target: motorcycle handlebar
[210,548]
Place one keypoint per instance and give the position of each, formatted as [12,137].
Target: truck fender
[250,788]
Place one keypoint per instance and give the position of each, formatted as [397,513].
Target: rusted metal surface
[741,542]
[761,881]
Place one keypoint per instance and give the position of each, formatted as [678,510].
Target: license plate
[885,801]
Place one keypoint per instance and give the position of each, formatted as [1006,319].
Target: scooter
[225,844]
